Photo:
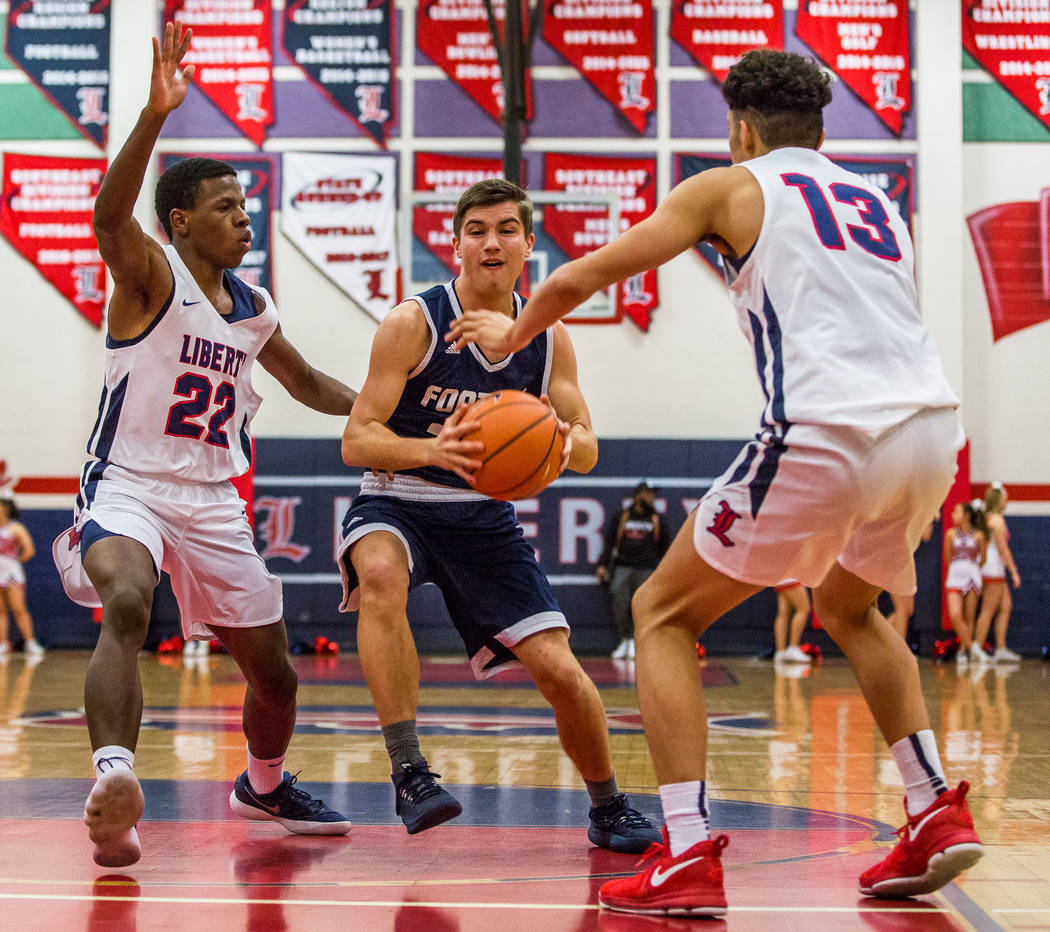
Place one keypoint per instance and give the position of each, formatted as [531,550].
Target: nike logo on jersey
[913,830]
[659,877]
[353,521]
[186,303]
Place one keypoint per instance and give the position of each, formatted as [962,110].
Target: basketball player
[855,451]
[172,430]
[418,519]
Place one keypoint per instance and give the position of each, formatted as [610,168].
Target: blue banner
[346,51]
[257,174]
[64,50]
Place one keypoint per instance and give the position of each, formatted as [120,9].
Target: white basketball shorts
[11,572]
[790,508]
[196,532]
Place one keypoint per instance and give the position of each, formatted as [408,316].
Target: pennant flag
[893,175]
[451,174]
[339,211]
[46,215]
[454,35]
[346,51]
[232,47]
[1007,240]
[611,44]
[866,45]
[579,228]
[256,175]
[1009,40]
[64,50]
[717,34]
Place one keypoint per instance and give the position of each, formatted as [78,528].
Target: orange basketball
[522,445]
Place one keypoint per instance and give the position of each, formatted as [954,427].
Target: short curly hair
[781,94]
[180,184]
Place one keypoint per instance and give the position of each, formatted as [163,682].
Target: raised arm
[401,341]
[141,277]
[724,203]
[303,382]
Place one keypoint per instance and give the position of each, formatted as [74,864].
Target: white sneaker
[1005,655]
[978,654]
[5,647]
[630,648]
[778,656]
[621,650]
[33,647]
[796,655]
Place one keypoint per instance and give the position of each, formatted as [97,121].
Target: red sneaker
[935,846]
[687,885]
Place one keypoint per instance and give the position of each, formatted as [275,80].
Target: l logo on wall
[45,213]
[67,57]
[232,47]
[340,212]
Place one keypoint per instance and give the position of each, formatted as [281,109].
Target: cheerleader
[964,552]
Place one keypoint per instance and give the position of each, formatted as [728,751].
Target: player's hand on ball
[452,452]
[490,330]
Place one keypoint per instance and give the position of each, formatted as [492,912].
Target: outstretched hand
[169,82]
[490,330]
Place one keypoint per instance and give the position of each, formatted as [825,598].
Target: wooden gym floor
[801,782]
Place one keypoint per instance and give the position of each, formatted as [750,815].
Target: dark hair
[491,191]
[179,186]
[975,513]
[781,94]
[13,513]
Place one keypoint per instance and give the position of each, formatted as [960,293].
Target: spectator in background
[793,610]
[635,540]
[904,605]
[996,600]
[16,548]
[964,550]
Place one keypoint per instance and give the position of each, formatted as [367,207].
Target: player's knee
[382,577]
[561,682]
[127,611]
[274,683]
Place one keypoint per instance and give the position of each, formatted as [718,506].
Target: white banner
[340,211]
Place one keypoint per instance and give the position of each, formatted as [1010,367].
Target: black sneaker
[419,800]
[618,827]
[294,808]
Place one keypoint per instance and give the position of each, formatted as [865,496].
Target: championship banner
[232,47]
[345,49]
[1012,242]
[893,175]
[611,44]
[454,35]
[256,175]
[578,229]
[340,212]
[45,214]
[717,34]
[451,174]
[866,45]
[64,50]
[1009,40]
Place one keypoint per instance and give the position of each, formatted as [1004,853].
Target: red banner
[869,50]
[716,35]
[232,48]
[1009,40]
[46,215]
[451,174]
[454,35]
[579,229]
[611,44]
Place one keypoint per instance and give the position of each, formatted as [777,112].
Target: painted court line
[437,904]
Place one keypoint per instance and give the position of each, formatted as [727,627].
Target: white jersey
[827,298]
[178,399]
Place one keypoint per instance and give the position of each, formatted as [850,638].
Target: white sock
[685,814]
[921,771]
[265,775]
[110,757]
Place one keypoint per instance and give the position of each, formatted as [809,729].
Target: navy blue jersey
[446,379]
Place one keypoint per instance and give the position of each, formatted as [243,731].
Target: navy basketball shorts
[476,554]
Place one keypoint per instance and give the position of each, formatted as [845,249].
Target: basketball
[522,445]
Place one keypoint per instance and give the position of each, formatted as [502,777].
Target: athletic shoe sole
[941,869]
[665,910]
[295,826]
[113,808]
[432,817]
